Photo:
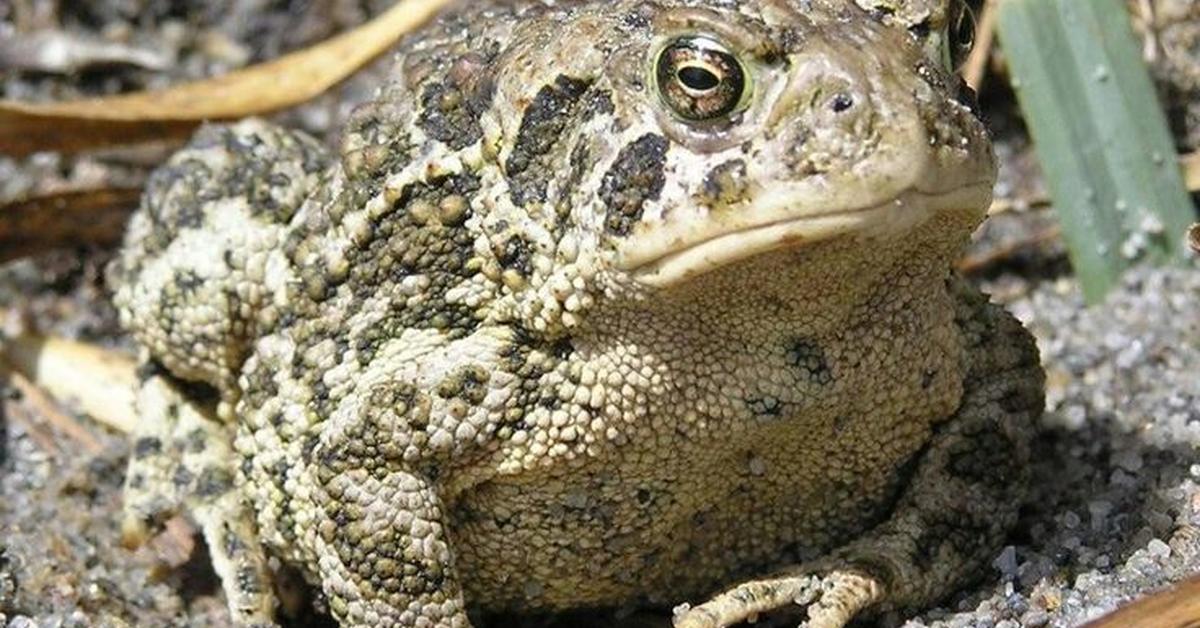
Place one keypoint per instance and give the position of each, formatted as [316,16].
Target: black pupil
[698,78]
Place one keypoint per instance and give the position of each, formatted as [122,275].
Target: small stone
[1006,563]
[1129,460]
[1099,508]
[1158,549]
[1075,417]
[1121,479]
[1035,618]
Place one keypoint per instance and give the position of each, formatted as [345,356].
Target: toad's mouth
[684,260]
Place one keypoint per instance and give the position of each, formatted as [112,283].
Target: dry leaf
[270,86]
[32,226]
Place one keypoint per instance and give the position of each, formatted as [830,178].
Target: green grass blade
[1101,136]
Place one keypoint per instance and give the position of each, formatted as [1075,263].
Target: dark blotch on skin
[213,482]
[450,109]
[809,358]
[196,441]
[765,407]
[182,477]
[147,446]
[172,202]
[636,177]
[516,253]
[546,119]
[599,102]
[725,184]
[247,580]
[921,30]
[187,282]
[468,383]
[256,174]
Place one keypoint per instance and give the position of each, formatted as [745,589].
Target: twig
[54,415]
[34,430]
[976,263]
[1145,21]
[1005,205]
[1191,171]
[98,381]
[985,36]
[64,219]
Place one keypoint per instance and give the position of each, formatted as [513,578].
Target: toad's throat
[880,222]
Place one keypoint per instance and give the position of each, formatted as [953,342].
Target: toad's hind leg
[385,555]
[183,459]
[963,498]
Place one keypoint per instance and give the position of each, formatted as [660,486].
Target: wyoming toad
[603,303]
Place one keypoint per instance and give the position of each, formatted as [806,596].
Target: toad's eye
[700,79]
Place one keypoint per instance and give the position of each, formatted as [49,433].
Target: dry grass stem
[50,411]
[985,37]
[977,263]
[42,438]
[99,382]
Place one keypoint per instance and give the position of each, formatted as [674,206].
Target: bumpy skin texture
[536,342]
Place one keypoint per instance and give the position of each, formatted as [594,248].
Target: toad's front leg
[963,499]
[384,556]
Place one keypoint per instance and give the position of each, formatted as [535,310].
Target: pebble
[1006,563]
[1159,549]
[1130,461]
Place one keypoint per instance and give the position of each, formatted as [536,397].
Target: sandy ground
[1115,510]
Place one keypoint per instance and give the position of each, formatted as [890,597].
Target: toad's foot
[964,496]
[832,600]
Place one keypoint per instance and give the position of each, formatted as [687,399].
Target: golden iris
[700,79]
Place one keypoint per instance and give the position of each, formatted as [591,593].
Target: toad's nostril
[841,102]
